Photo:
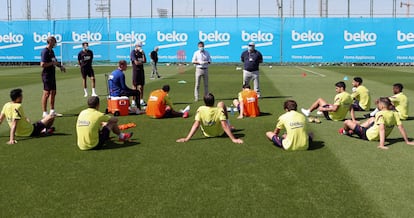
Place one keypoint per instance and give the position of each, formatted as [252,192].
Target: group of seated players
[94,127]
[388,113]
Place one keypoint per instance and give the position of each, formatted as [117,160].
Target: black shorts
[103,137]
[49,82]
[87,72]
[356,106]
[38,127]
[138,77]
[361,132]
[326,113]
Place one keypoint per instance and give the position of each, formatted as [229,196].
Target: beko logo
[406,38]
[88,36]
[359,39]
[216,39]
[172,37]
[307,39]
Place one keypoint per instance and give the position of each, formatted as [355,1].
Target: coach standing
[49,63]
[138,76]
[201,59]
[85,58]
[251,59]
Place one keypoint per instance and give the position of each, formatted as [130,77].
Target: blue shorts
[277,141]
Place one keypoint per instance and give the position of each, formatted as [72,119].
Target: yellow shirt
[88,126]
[344,101]
[210,120]
[296,136]
[14,111]
[386,117]
[362,95]
[400,101]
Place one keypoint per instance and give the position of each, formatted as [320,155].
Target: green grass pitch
[153,176]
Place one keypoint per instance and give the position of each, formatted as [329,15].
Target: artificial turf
[154,176]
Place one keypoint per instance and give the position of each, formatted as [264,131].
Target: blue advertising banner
[293,40]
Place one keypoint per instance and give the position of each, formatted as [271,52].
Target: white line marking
[172,45]
[307,45]
[89,44]
[310,71]
[360,45]
[405,46]
[44,46]
[259,45]
[11,46]
[217,44]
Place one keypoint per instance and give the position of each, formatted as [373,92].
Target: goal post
[104,52]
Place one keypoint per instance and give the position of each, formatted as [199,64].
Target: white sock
[44,113]
[133,102]
[374,112]
[142,101]
[121,135]
[85,90]
[52,111]
[93,91]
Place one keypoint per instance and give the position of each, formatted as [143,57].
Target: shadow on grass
[410,118]
[396,140]
[112,145]
[262,97]
[24,138]
[263,114]
[316,145]
[69,115]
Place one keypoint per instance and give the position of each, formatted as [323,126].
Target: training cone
[345,78]
[304,74]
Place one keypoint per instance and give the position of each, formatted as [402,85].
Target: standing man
[201,59]
[154,61]
[85,58]
[49,63]
[251,59]
[117,86]
[138,76]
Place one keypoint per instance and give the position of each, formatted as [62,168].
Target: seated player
[247,103]
[336,111]
[159,105]
[296,136]
[94,127]
[117,86]
[399,102]
[361,97]
[18,122]
[213,121]
[378,128]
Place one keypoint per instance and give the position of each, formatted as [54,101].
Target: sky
[203,8]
